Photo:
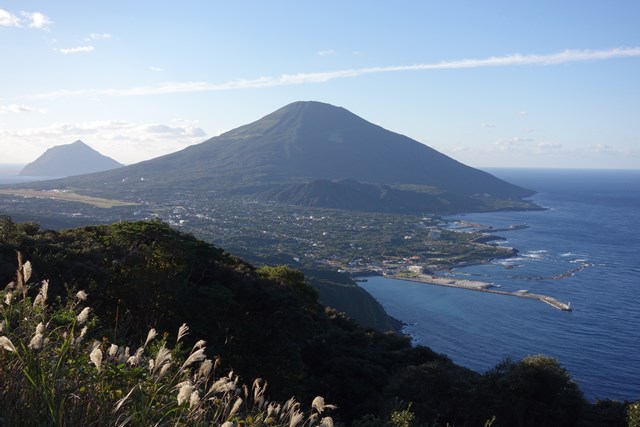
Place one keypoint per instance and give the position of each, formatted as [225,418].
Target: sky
[513,83]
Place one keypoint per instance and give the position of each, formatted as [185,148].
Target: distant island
[72,159]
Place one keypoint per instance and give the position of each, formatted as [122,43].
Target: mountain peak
[309,141]
[76,158]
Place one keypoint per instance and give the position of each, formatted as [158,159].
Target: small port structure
[479,286]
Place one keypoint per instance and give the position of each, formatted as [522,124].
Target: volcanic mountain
[289,155]
[76,158]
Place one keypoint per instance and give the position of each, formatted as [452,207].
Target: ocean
[585,249]
[9,174]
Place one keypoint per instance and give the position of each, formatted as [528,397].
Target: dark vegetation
[355,196]
[267,323]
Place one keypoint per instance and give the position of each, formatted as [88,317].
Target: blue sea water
[9,174]
[591,232]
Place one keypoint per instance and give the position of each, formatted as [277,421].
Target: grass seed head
[41,298]
[194,357]
[194,399]
[36,342]
[96,357]
[184,392]
[150,336]
[6,344]
[113,351]
[8,297]
[182,331]
[84,315]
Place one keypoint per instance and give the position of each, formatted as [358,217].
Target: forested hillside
[267,323]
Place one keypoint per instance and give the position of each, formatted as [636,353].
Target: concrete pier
[475,285]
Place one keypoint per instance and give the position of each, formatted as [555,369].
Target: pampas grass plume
[41,298]
[194,357]
[182,331]
[8,297]
[36,342]
[26,271]
[184,393]
[84,315]
[96,357]
[7,344]
[151,335]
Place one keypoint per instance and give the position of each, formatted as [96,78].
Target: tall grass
[54,371]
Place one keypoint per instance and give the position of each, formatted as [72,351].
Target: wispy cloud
[79,49]
[487,125]
[98,36]
[155,69]
[37,20]
[326,52]
[509,144]
[124,141]
[15,108]
[547,146]
[567,56]
[8,19]
[33,20]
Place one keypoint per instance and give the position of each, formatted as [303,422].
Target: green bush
[56,371]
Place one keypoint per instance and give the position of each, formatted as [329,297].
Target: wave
[537,254]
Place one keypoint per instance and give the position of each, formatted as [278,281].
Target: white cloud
[326,52]
[487,125]
[15,108]
[168,131]
[155,69]
[7,19]
[546,147]
[98,36]
[79,49]
[522,113]
[124,141]
[37,20]
[567,56]
[602,149]
[512,144]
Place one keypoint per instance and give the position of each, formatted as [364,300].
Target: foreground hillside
[267,323]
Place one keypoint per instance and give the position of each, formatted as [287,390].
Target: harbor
[479,286]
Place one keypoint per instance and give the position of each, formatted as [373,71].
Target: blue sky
[491,84]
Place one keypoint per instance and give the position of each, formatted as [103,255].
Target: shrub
[55,372]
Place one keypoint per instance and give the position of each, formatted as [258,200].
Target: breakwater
[479,286]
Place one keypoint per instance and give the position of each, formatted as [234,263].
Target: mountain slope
[76,158]
[304,142]
[353,195]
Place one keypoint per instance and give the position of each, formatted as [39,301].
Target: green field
[69,197]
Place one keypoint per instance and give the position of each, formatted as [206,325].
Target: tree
[535,391]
